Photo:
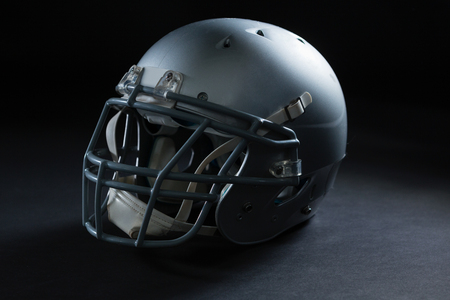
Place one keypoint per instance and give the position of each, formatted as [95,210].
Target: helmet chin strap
[227,147]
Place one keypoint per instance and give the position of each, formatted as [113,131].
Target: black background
[382,233]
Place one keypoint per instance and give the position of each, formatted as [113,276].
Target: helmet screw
[169,76]
[247,207]
[306,210]
[202,96]
[279,170]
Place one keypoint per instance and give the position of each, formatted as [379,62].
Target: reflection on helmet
[225,127]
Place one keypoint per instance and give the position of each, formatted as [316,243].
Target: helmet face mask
[212,135]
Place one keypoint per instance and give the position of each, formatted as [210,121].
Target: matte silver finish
[259,75]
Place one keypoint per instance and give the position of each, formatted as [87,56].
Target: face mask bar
[93,161]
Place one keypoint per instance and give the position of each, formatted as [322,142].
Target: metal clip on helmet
[225,127]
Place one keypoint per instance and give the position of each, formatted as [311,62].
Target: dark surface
[383,232]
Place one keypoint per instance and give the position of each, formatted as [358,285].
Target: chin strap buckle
[131,78]
[170,82]
[293,110]
[289,168]
[286,168]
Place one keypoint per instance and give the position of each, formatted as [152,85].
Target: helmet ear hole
[291,192]
[312,192]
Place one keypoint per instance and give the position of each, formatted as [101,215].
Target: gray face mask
[127,211]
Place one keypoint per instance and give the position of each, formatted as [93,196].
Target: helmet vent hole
[227,43]
[260,32]
[301,40]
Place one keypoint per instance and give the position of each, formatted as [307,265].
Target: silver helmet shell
[228,69]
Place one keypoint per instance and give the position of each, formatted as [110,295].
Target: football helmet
[226,127]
